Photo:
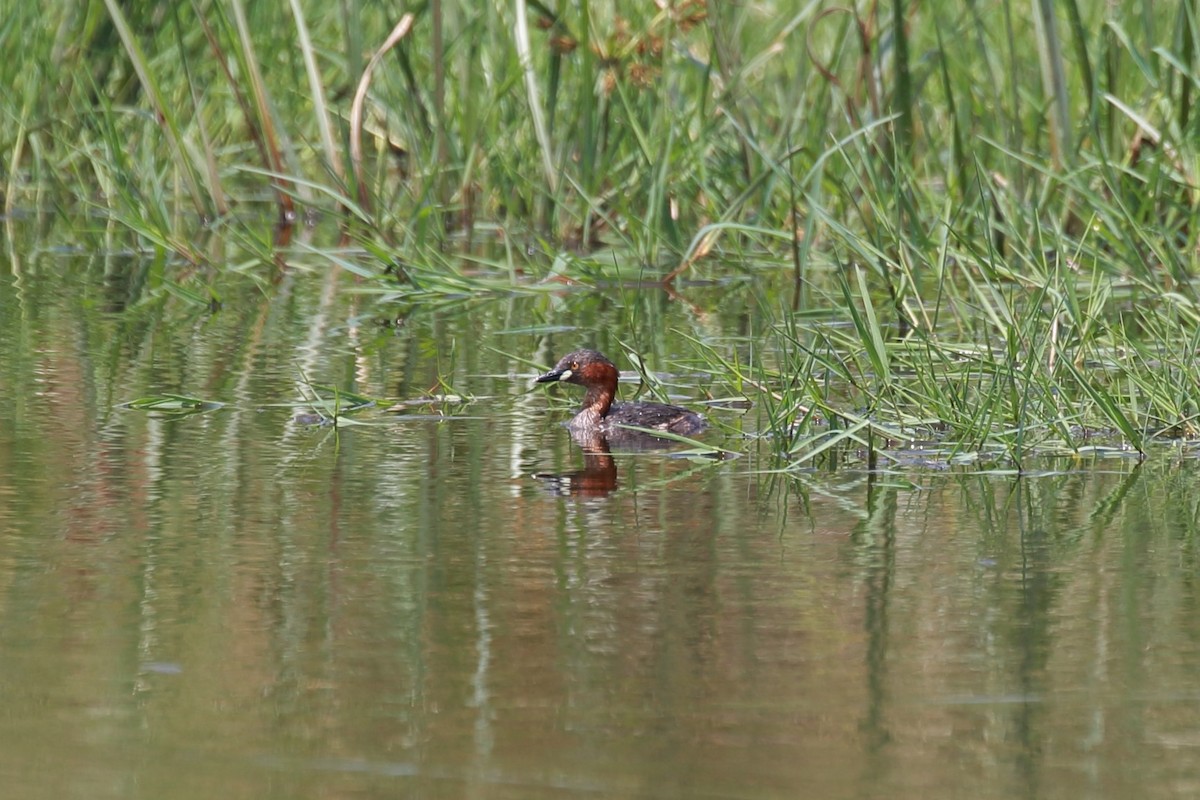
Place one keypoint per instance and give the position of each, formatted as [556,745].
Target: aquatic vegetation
[171,404]
[956,224]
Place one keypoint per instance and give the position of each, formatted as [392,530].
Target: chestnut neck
[598,400]
[601,383]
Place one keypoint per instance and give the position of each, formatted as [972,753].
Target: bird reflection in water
[599,474]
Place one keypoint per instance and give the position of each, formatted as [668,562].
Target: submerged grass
[965,224]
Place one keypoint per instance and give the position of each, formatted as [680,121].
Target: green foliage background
[999,198]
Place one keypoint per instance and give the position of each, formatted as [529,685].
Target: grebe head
[586,368]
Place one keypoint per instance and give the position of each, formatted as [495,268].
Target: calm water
[233,605]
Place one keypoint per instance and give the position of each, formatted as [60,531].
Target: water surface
[233,604]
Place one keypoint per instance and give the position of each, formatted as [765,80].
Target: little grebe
[599,413]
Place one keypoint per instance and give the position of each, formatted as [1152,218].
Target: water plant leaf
[336,400]
[189,296]
[698,447]
[1110,408]
[813,446]
[171,404]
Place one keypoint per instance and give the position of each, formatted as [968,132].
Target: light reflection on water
[230,604]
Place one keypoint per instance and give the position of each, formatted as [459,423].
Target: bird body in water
[602,413]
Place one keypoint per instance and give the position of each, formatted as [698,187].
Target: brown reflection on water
[599,474]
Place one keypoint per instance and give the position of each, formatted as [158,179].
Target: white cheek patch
[566,375]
